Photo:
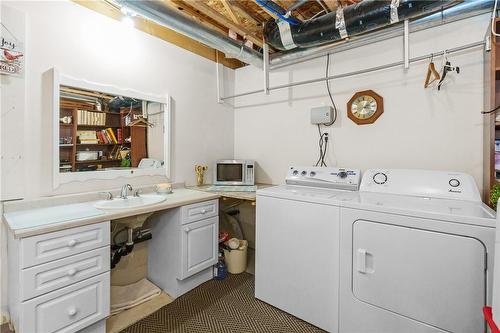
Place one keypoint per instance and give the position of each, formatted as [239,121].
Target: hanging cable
[327,75]
[493,16]
[323,137]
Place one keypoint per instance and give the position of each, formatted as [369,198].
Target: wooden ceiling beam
[196,15]
[216,16]
[295,13]
[331,4]
[247,13]
[229,10]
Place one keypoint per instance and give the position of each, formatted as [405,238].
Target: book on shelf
[119,135]
[86,135]
[111,135]
[89,141]
[90,118]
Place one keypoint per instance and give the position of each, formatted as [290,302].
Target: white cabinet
[199,246]
[184,247]
[60,281]
[68,309]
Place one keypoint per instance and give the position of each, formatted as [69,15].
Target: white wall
[87,45]
[420,128]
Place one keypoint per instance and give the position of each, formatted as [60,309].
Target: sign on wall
[11,54]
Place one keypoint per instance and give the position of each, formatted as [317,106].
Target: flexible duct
[158,12]
[461,11]
[367,15]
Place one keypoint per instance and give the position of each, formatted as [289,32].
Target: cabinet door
[199,246]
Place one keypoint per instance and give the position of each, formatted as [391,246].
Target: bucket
[236,260]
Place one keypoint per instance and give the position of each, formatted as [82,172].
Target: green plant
[494,196]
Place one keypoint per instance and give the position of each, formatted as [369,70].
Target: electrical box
[322,115]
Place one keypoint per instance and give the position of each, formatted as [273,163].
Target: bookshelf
[92,139]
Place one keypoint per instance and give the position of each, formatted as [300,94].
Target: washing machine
[416,254]
[297,242]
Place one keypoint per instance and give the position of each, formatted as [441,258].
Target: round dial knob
[342,174]
[295,172]
[380,178]
[312,174]
[454,182]
[303,173]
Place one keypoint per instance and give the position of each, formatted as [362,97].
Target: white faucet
[124,191]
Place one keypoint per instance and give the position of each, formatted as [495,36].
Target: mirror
[102,132]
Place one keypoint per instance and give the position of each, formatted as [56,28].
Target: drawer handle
[72,272]
[72,311]
[203,211]
[72,243]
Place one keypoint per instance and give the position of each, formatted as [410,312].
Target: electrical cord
[323,137]
[327,74]
[493,15]
[491,111]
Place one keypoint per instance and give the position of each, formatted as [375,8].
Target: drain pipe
[160,13]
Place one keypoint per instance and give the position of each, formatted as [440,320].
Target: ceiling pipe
[353,20]
[466,9]
[159,13]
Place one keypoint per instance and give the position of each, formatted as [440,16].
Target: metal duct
[158,12]
[461,11]
[352,20]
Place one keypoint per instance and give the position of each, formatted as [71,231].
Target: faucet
[125,189]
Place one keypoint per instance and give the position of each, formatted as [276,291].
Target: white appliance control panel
[422,183]
[325,177]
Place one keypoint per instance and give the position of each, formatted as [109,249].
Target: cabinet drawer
[41,279]
[199,246]
[47,247]
[200,211]
[69,309]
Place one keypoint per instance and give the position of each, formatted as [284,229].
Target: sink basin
[130,202]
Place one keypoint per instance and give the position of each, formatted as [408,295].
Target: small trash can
[236,260]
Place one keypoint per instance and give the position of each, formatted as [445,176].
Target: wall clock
[365,107]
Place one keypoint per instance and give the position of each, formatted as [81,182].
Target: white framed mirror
[106,132]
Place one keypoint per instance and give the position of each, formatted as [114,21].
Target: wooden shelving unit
[491,127]
[70,146]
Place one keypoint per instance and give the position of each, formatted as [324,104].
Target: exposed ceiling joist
[216,16]
[230,11]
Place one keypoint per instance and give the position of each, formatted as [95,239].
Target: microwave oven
[234,172]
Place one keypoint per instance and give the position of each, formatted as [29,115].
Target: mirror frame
[59,79]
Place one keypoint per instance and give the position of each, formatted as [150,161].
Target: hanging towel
[126,297]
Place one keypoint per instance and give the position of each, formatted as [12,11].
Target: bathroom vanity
[59,273]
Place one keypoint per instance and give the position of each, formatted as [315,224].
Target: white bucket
[236,260]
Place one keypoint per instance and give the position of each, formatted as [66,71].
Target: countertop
[30,222]
[241,195]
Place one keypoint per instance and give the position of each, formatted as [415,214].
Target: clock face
[364,107]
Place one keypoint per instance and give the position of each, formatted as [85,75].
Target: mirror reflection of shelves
[94,136]
[492,121]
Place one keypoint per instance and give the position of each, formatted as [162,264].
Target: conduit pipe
[158,12]
[466,9]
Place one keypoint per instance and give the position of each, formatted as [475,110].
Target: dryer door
[431,277]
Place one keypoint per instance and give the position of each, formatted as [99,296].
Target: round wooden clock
[365,107]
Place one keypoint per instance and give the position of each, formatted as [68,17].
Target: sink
[130,202]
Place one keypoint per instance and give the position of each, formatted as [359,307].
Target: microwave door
[229,174]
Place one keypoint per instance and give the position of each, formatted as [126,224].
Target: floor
[220,307]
